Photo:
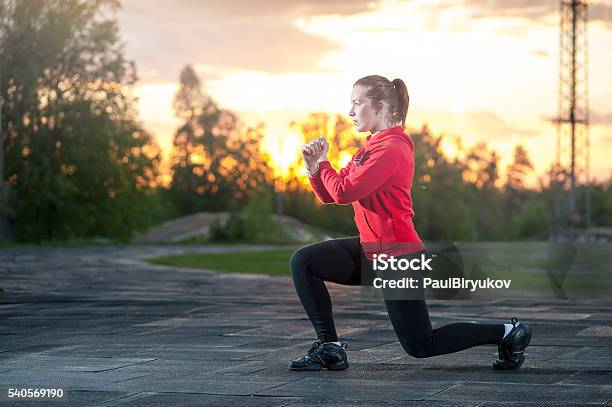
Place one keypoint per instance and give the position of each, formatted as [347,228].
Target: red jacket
[377,182]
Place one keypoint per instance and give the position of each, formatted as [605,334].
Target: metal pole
[587,114]
[3,189]
[572,202]
[5,229]
[1,132]
[279,195]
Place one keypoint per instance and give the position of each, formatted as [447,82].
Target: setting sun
[284,152]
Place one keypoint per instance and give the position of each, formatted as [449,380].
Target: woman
[377,183]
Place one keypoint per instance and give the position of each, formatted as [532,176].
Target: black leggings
[339,261]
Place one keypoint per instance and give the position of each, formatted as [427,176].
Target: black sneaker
[512,348]
[327,355]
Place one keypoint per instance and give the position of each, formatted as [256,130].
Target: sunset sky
[483,70]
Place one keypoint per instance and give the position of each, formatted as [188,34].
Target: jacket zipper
[370,226]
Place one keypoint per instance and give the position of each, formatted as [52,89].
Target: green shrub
[532,222]
[254,224]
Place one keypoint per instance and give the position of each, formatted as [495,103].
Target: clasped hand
[314,152]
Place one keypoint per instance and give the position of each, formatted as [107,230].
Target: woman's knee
[416,350]
[298,261]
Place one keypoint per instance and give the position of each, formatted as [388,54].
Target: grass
[276,263]
[573,283]
[595,256]
[105,242]
[273,262]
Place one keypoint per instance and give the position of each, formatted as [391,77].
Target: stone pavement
[110,329]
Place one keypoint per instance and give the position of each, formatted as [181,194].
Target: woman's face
[362,112]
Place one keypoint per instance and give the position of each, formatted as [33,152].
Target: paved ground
[109,329]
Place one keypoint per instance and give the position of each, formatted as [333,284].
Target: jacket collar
[378,136]
[388,134]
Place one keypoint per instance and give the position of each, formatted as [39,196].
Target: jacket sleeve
[362,180]
[319,188]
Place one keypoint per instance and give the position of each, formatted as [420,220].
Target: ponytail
[403,99]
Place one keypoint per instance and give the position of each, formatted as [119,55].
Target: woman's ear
[379,108]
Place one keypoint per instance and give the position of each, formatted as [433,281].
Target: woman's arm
[363,180]
[319,188]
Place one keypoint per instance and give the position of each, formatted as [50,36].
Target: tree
[77,160]
[216,163]
[532,222]
[601,194]
[515,192]
[517,171]
[439,196]
[481,173]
